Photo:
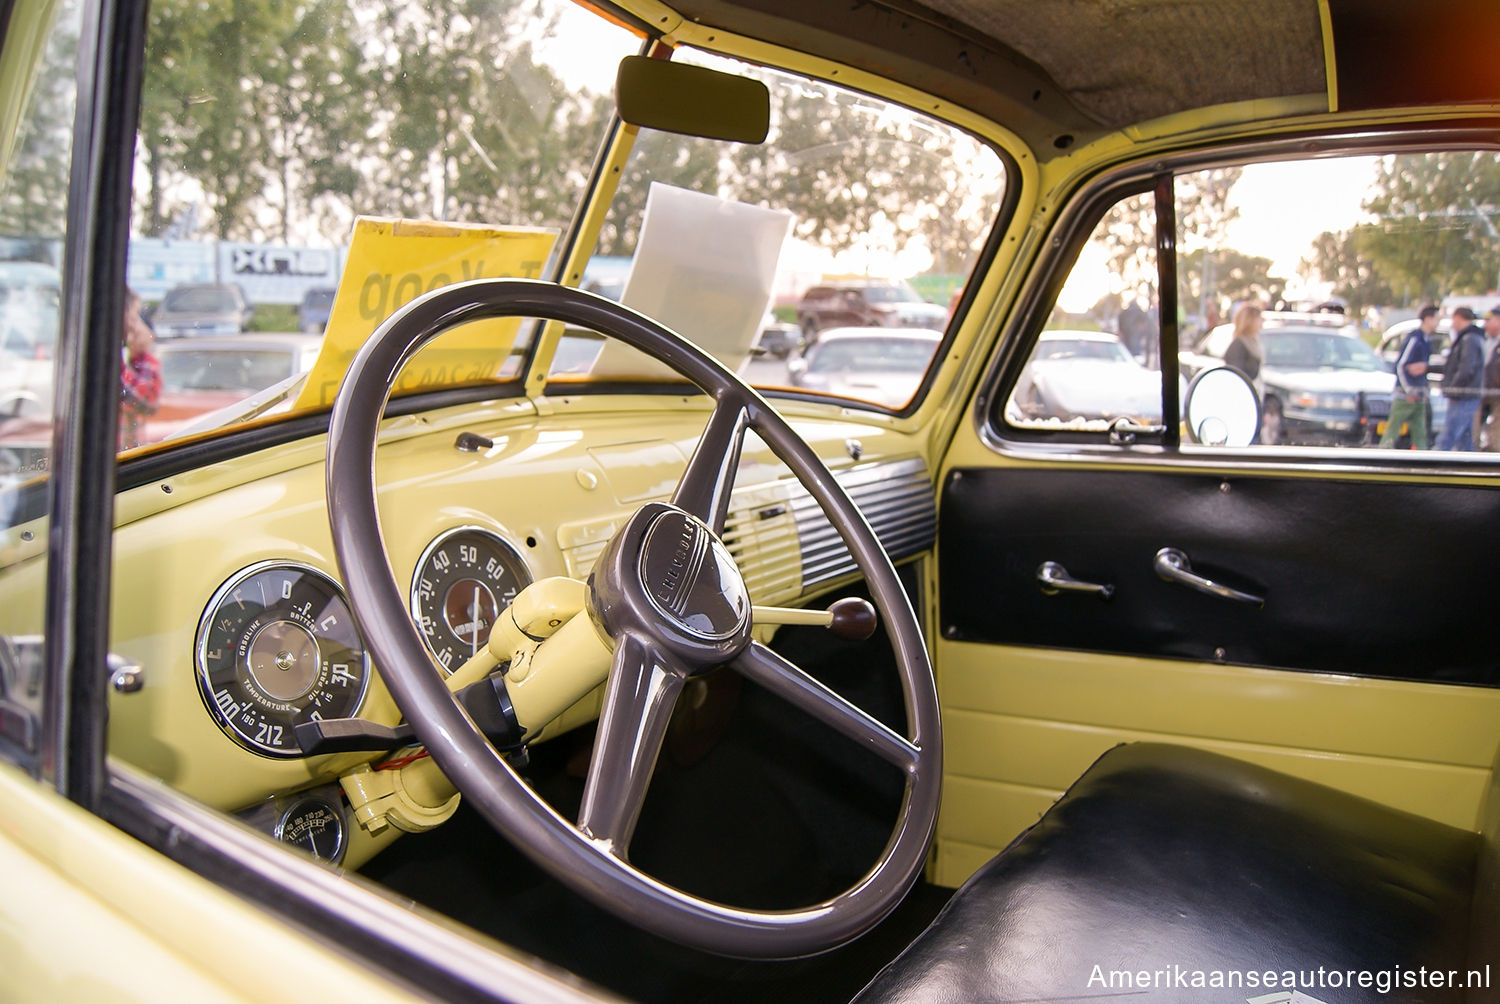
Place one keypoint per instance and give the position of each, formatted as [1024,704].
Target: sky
[1283,207]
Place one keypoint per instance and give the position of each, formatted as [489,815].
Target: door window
[1098,359]
[35,153]
[1311,277]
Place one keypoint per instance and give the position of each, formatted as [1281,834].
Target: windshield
[200,301]
[245,369]
[891,294]
[893,355]
[1317,350]
[418,144]
[855,212]
[1081,348]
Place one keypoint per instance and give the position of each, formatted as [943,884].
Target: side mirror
[692,100]
[797,365]
[1222,408]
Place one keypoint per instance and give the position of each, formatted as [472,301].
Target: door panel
[1021,723]
[1358,577]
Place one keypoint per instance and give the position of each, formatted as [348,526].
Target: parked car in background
[202,375]
[215,308]
[880,366]
[1088,376]
[1321,387]
[29,294]
[778,338]
[312,313]
[865,303]
[1439,342]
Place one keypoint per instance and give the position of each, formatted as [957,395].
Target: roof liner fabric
[1127,61]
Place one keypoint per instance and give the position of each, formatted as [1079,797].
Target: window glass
[1099,358]
[883,211]
[266,131]
[1327,265]
[33,201]
[35,155]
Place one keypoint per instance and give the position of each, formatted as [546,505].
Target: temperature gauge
[278,646]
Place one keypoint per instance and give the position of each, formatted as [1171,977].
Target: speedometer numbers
[465,578]
[278,646]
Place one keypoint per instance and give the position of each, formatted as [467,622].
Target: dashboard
[227,591]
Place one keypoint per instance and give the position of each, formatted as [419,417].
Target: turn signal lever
[851,618]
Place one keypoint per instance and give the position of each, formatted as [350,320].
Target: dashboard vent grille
[782,542]
[895,496]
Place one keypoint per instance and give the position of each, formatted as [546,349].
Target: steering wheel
[671,601]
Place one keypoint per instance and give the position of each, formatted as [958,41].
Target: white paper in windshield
[705,267]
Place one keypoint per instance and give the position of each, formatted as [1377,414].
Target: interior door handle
[1054,578]
[1173,565]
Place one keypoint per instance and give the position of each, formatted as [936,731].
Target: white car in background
[883,365]
[1087,375]
[29,294]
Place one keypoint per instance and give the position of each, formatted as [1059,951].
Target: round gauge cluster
[278,646]
[464,579]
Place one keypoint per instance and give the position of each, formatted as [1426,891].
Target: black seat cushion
[1181,867]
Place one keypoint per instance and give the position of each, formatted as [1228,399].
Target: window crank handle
[1054,578]
[1173,566]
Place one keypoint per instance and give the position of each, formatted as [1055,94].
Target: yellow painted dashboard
[552,479]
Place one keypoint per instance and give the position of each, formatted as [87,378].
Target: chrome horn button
[691,579]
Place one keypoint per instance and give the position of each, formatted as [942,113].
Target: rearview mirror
[692,100]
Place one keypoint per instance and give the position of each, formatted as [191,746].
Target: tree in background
[329,108]
[1436,231]
[1128,236]
[1226,276]
[33,201]
[1336,258]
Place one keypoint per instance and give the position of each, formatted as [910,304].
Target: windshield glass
[315,170]
[245,369]
[1082,348]
[1316,350]
[897,355]
[203,300]
[378,150]
[855,212]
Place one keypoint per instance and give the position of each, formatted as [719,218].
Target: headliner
[1056,71]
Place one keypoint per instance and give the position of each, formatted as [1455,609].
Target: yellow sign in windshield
[394,261]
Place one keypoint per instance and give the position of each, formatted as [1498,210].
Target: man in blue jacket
[1409,398]
[1462,382]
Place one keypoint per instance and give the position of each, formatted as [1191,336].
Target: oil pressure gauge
[278,646]
[464,579]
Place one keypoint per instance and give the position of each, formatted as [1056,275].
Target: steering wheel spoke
[638,701]
[791,683]
[709,478]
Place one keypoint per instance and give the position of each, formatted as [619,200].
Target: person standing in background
[1409,397]
[140,374]
[1487,422]
[1462,376]
[1244,352]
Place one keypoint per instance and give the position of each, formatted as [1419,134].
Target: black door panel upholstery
[1361,578]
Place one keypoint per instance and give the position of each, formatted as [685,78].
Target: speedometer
[465,578]
[278,646]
